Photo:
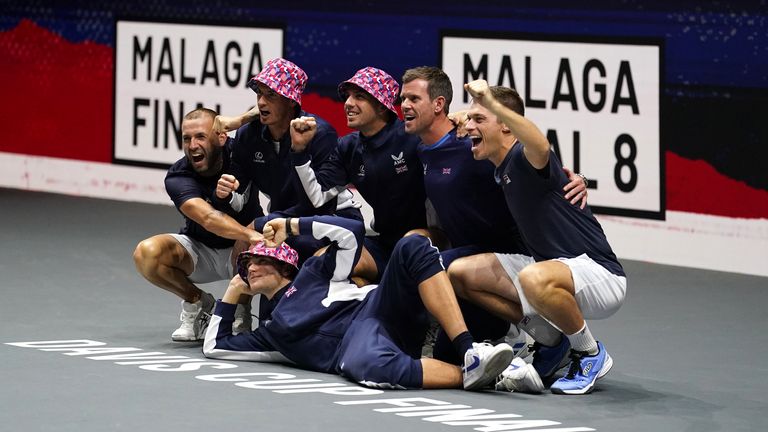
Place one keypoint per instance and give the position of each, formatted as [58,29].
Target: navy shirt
[182,183]
[386,171]
[552,227]
[467,200]
[272,172]
[310,315]
[313,313]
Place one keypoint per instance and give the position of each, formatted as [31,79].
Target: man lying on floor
[321,321]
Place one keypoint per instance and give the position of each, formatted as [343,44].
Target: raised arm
[536,146]
[303,130]
[224,124]
[345,234]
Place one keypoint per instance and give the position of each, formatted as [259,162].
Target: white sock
[540,330]
[582,340]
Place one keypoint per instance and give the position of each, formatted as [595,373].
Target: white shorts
[599,293]
[210,265]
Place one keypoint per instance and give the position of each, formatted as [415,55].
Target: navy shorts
[382,347]
[380,251]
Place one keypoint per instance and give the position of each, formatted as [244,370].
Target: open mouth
[476,140]
[264,113]
[409,117]
[198,157]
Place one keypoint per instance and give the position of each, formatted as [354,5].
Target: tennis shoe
[520,376]
[548,360]
[483,363]
[194,319]
[584,371]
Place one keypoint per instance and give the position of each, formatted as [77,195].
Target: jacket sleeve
[321,181]
[346,236]
[220,343]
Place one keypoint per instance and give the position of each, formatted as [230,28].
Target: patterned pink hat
[377,83]
[283,77]
[282,253]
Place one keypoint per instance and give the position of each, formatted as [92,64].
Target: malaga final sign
[597,101]
[164,70]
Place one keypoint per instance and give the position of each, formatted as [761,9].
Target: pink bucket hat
[377,83]
[282,253]
[283,77]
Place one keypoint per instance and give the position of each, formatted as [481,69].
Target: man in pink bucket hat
[262,154]
[379,159]
[320,320]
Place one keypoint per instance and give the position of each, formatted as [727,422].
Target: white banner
[598,103]
[163,71]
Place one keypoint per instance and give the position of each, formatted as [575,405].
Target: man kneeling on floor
[323,322]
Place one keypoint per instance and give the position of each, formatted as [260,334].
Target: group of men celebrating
[476,225]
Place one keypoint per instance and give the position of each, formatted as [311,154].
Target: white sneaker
[520,342]
[243,321]
[521,377]
[484,363]
[194,319]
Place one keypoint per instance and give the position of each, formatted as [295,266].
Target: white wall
[684,239]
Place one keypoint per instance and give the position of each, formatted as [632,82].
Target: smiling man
[379,159]
[571,273]
[202,251]
[471,212]
[322,321]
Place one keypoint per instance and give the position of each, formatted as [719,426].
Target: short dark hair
[509,98]
[438,83]
[296,109]
[200,112]
[286,270]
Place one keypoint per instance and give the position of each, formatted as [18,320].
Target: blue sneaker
[584,371]
[548,360]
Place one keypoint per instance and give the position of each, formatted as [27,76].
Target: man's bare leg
[164,262]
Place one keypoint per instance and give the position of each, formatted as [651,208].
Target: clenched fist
[226,185]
